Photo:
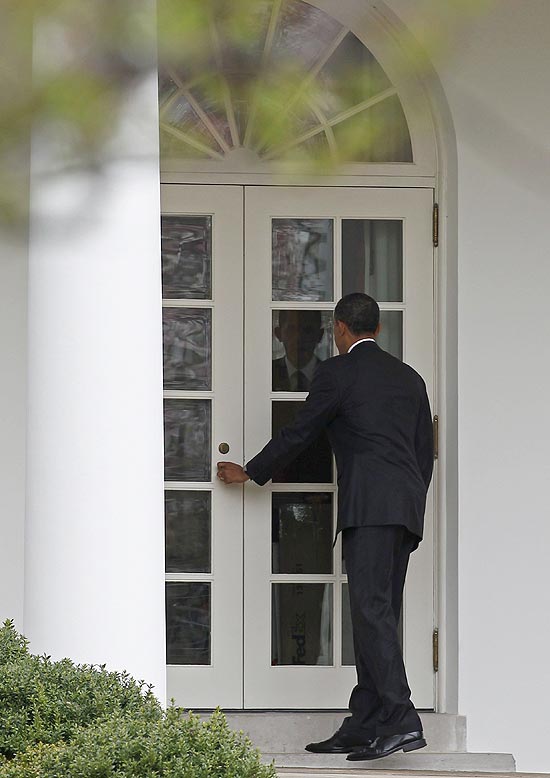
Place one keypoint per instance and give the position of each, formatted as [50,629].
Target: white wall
[495,75]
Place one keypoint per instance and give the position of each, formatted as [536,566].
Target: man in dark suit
[299,332]
[376,413]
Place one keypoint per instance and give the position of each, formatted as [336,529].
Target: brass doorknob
[223,448]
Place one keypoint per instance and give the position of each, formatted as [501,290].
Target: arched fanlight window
[341,103]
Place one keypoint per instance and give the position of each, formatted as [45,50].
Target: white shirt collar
[307,370]
[363,340]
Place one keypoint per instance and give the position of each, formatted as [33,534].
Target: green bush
[43,701]
[61,720]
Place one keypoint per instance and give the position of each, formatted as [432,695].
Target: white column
[94,547]
[13,309]
[14,167]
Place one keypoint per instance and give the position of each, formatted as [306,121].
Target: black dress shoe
[339,743]
[384,745]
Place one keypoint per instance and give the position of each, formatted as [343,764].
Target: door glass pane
[303,33]
[348,653]
[302,259]
[391,332]
[314,465]
[176,148]
[300,340]
[186,257]
[243,53]
[187,445]
[301,624]
[187,344]
[377,134]
[167,87]
[181,115]
[350,76]
[188,623]
[372,258]
[188,528]
[209,92]
[302,532]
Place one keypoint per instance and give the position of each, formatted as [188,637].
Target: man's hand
[231,473]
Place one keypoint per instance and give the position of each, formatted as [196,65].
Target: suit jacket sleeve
[317,412]
[424,439]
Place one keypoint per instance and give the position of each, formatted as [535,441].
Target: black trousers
[376,563]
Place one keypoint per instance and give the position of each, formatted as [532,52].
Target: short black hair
[359,311]
[309,316]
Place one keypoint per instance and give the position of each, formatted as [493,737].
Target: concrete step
[325,765]
[289,772]
[287,732]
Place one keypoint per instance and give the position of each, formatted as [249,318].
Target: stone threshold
[423,761]
[314,772]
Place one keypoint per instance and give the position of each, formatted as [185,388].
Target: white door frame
[415,207]
[445,483]
[220,682]
[435,122]
[226,203]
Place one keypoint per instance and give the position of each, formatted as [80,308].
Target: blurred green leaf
[68,65]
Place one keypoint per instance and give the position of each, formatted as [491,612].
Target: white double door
[256,596]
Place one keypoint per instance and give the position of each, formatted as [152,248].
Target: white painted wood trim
[221,682]
[284,686]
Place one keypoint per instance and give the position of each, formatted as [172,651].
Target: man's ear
[377,330]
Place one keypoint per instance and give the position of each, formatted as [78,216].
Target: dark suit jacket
[377,416]
[281,379]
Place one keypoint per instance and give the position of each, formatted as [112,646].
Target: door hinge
[435,225]
[436,437]
[435,649]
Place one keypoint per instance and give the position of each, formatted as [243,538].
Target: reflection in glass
[372,258]
[188,526]
[348,652]
[350,76]
[167,87]
[181,115]
[303,34]
[314,464]
[187,346]
[209,92]
[391,332]
[187,453]
[311,148]
[382,131]
[242,55]
[188,70]
[301,624]
[301,339]
[172,147]
[209,104]
[186,257]
[187,623]
[301,532]
[302,259]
